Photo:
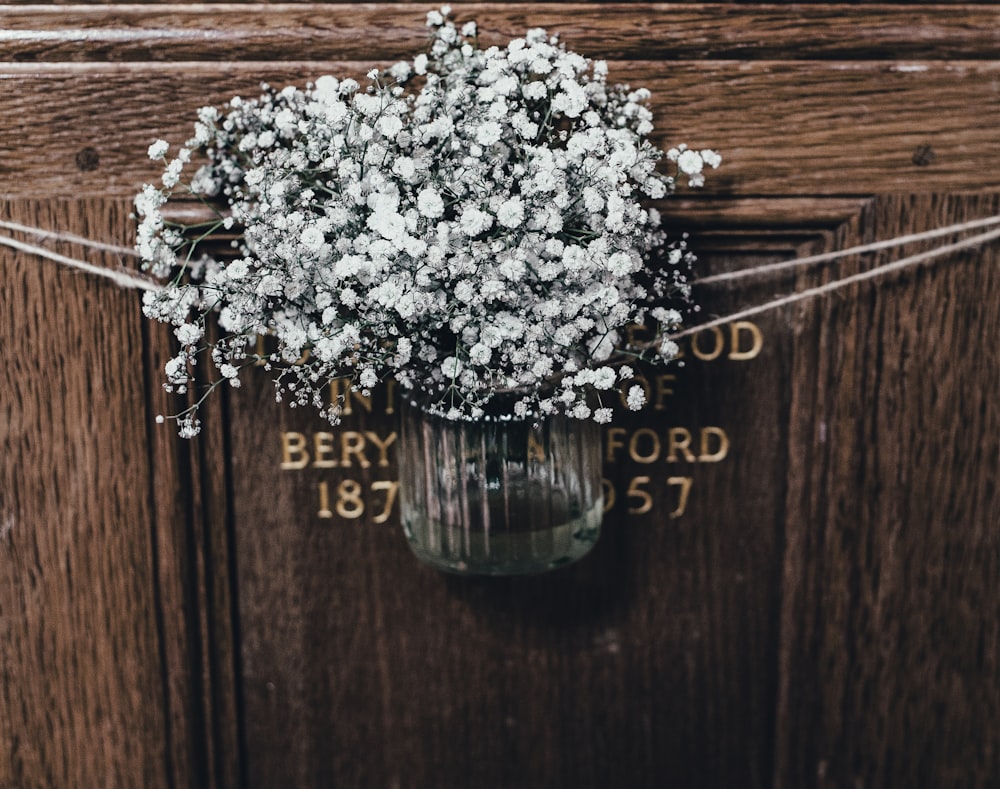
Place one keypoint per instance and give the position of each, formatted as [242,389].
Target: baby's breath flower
[484,227]
[603,415]
[636,398]
[473,221]
[429,203]
[158,149]
[188,333]
[604,378]
[511,212]
[711,158]
[368,378]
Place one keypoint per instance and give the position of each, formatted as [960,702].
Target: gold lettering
[536,451]
[717,347]
[612,443]
[756,341]
[322,447]
[662,390]
[634,492]
[353,443]
[609,494]
[654,443]
[293,450]
[324,501]
[680,440]
[340,389]
[259,351]
[390,396]
[707,456]
[337,394]
[391,487]
[383,446]
[365,401]
[349,503]
[637,334]
[685,486]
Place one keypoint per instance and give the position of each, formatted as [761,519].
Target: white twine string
[825,257]
[128,280]
[68,238]
[843,282]
[122,278]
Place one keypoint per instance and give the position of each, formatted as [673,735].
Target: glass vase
[499,496]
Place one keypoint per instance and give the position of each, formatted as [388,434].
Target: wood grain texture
[620,31]
[159,6]
[890,645]
[194,585]
[118,656]
[363,667]
[823,615]
[82,694]
[784,128]
[820,617]
[864,118]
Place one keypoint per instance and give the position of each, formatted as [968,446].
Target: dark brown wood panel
[195,584]
[823,614]
[81,639]
[619,31]
[362,666]
[890,644]
[267,6]
[112,521]
[784,128]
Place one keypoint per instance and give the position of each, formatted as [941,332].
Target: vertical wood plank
[194,584]
[81,702]
[216,594]
[890,645]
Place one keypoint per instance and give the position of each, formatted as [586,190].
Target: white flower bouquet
[472,222]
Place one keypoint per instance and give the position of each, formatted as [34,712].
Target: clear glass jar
[499,496]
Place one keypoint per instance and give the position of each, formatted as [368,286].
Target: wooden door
[797,579]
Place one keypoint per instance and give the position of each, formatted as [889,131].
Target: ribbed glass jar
[499,496]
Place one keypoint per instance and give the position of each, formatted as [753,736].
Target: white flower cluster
[471,223]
